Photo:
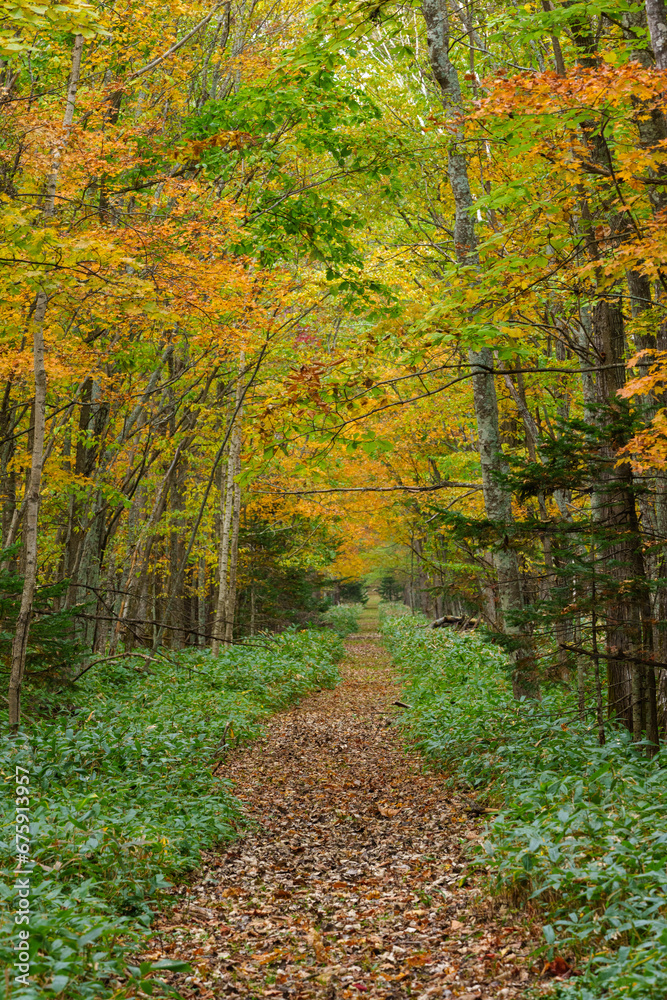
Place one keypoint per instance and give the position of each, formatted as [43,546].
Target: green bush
[392,609]
[343,618]
[581,827]
[123,794]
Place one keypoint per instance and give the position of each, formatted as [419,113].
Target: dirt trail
[353,882]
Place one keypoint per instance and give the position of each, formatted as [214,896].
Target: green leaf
[57,984]
[549,934]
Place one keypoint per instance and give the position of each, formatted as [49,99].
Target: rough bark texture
[627,607]
[497,499]
[656,17]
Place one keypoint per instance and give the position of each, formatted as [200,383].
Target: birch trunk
[497,500]
[72,87]
[201,601]
[22,633]
[229,511]
[656,16]
[33,492]
[230,609]
[226,505]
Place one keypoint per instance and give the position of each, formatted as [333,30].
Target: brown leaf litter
[353,880]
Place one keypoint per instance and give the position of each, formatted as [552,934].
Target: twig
[105,659]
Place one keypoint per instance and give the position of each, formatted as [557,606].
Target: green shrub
[343,618]
[123,795]
[581,827]
[392,609]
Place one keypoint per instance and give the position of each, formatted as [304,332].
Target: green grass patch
[581,827]
[123,796]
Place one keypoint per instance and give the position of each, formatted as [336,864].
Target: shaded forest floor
[352,879]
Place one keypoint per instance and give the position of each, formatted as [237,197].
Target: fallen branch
[453,620]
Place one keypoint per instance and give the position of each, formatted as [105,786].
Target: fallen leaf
[324,780]
[557,967]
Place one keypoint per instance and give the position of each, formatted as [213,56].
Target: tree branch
[450,484]
[174,48]
[611,656]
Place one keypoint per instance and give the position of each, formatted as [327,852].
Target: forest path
[350,883]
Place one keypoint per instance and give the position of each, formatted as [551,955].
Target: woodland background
[297,298]
[296,294]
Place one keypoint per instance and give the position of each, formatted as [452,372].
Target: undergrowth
[392,609]
[580,827]
[343,619]
[124,797]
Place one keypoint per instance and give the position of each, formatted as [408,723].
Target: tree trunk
[497,499]
[135,578]
[230,609]
[656,17]
[72,87]
[226,510]
[7,477]
[626,605]
[20,641]
[33,492]
[230,512]
[627,608]
[201,601]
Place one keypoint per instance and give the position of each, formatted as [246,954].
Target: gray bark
[656,16]
[230,608]
[628,612]
[497,499]
[135,579]
[33,492]
[555,44]
[201,602]
[33,495]
[226,509]
[72,87]
[229,516]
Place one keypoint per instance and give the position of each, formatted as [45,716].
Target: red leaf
[557,967]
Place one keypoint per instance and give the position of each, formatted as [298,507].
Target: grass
[581,828]
[124,797]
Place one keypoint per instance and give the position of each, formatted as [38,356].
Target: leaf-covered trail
[350,884]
